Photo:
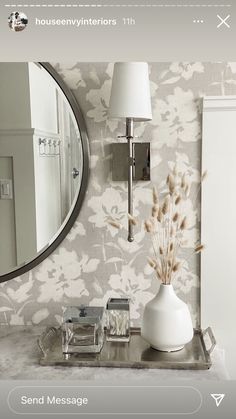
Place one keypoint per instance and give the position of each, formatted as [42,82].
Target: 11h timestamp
[129,21]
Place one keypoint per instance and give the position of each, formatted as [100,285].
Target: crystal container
[82,330]
[118,320]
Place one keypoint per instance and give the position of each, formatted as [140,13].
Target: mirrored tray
[135,354]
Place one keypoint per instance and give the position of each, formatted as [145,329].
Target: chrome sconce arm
[131,166]
[131,163]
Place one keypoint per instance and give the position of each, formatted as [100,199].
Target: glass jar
[82,330]
[118,320]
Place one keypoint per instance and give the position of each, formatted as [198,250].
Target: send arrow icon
[218,398]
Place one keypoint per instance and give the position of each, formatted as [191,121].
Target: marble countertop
[19,359]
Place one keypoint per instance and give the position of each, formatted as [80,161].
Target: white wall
[218,262]
[43,99]
[71,154]
[44,117]
[47,196]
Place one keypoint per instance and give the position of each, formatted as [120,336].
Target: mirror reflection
[41,162]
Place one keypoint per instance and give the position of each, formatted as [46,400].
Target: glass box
[82,330]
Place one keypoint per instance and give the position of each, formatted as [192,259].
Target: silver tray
[135,354]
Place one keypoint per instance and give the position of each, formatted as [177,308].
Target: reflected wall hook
[75,173]
[49,146]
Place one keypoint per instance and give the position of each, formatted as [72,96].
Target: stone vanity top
[19,359]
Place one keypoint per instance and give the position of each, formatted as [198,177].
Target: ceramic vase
[167,324]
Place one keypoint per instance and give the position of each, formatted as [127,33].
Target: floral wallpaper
[95,261]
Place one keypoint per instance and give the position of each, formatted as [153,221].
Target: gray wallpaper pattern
[95,261]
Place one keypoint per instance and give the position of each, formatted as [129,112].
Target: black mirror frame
[84,181]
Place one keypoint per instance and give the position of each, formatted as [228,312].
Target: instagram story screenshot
[118,209]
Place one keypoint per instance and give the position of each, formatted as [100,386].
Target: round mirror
[43,164]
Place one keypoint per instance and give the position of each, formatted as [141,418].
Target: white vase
[167,323]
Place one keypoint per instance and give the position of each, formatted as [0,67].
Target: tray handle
[46,339]
[208,332]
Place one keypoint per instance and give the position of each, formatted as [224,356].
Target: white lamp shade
[130,93]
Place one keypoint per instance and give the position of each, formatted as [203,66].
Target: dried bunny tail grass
[175,217]
[159,273]
[177,200]
[171,248]
[158,270]
[132,220]
[161,251]
[183,181]
[176,266]
[183,224]
[171,184]
[160,215]
[156,266]
[187,190]
[152,263]
[115,224]
[169,263]
[155,210]
[204,175]
[168,179]
[199,248]
[155,196]
[166,205]
[173,231]
[148,226]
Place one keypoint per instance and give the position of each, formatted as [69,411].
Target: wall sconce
[130,99]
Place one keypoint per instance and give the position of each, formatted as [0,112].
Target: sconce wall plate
[120,161]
